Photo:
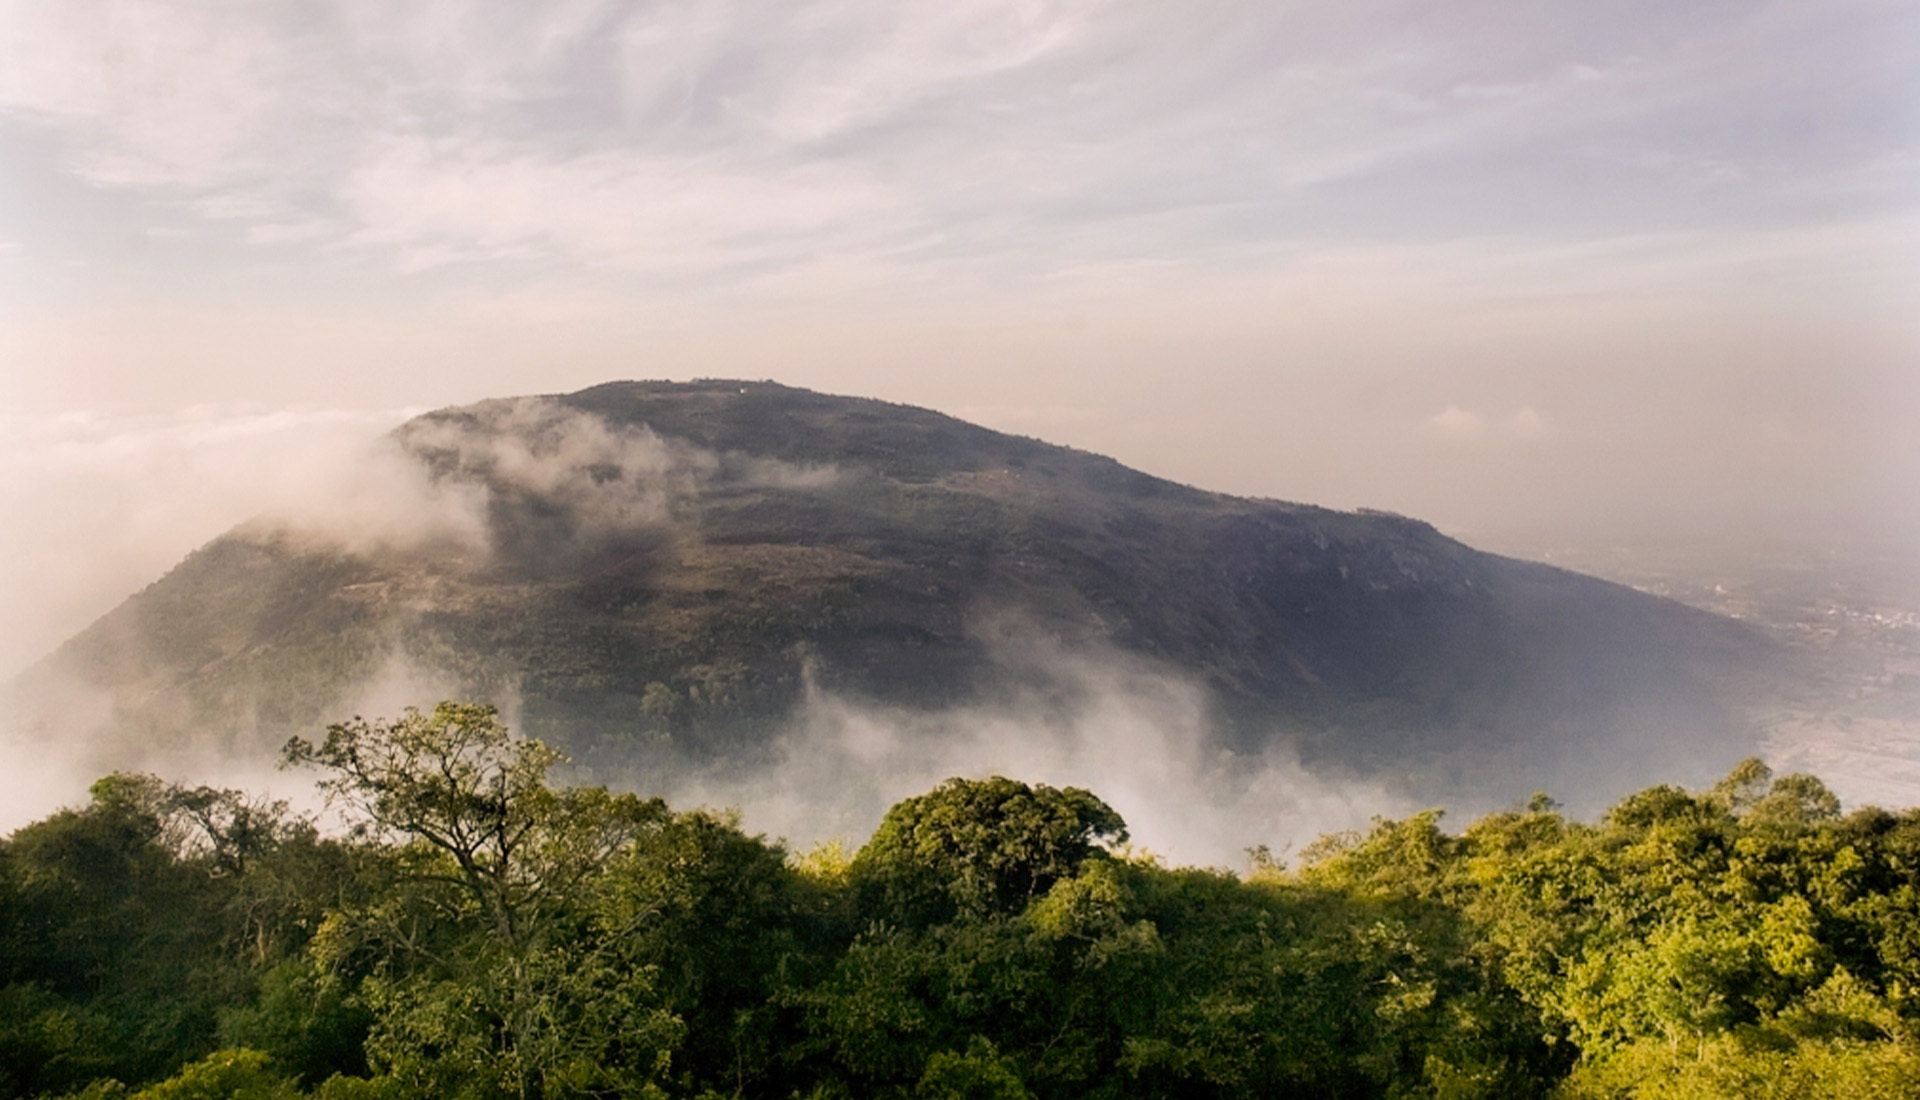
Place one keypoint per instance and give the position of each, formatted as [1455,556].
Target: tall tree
[504,970]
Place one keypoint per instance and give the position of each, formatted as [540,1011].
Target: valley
[1849,607]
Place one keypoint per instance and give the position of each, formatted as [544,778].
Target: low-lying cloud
[101,504]
[1135,734]
[604,477]
[104,505]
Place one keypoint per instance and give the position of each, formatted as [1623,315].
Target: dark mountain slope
[666,565]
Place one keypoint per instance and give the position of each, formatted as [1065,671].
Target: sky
[1573,265]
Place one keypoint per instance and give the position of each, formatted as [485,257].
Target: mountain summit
[663,572]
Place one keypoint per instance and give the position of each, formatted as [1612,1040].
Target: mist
[1136,734]
[102,503]
[607,479]
[117,501]
[1633,289]
[1139,736]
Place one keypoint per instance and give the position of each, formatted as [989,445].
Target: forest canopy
[483,931]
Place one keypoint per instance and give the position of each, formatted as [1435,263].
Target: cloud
[603,477]
[293,232]
[103,503]
[1119,725]
[447,201]
[1608,196]
[1135,734]
[150,93]
[848,67]
[696,137]
[1454,424]
[1527,425]
[380,499]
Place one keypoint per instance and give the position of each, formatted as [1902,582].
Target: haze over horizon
[1559,269]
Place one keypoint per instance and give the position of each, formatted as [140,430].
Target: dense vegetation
[483,932]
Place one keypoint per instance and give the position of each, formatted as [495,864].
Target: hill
[661,573]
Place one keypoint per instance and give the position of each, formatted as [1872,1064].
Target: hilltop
[661,573]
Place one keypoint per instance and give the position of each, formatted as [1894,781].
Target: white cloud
[449,200]
[695,135]
[842,66]
[1134,733]
[102,504]
[290,232]
[1454,424]
[150,93]
[1527,425]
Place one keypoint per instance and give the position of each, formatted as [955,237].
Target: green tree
[501,969]
[973,847]
[111,961]
[225,1075]
[456,788]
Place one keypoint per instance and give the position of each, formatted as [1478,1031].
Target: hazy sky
[1483,262]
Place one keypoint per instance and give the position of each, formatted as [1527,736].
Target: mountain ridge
[660,572]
